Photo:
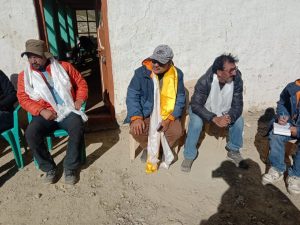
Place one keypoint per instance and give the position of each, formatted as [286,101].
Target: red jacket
[79,90]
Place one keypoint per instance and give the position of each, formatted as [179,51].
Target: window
[86,23]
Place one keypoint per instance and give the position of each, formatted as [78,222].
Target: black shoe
[51,176]
[71,176]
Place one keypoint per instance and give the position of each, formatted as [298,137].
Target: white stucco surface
[263,34]
[17,24]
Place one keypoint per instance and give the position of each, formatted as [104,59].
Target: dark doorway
[72,29]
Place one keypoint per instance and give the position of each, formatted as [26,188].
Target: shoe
[71,176]
[272,176]
[144,155]
[51,176]
[293,184]
[186,165]
[238,160]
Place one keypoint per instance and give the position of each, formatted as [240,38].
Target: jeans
[235,137]
[277,153]
[39,128]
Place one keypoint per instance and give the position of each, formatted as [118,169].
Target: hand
[222,121]
[48,114]
[78,104]
[293,131]
[137,126]
[282,120]
[165,125]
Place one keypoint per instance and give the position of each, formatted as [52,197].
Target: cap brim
[47,55]
[162,61]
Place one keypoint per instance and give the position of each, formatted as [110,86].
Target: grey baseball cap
[162,54]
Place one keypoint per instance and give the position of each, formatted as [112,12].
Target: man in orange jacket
[53,93]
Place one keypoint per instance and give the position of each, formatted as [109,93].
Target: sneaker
[144,155]
[186,165]
[71,176]
[51,176]
[293,184]
[238,160]
[272,176]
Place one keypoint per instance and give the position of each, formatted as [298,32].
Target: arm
[199,98]
[78,82]
[133,98]
[9,94]
[237,100]
[25,101]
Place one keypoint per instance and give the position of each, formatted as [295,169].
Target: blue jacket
[140,93]
[287,105]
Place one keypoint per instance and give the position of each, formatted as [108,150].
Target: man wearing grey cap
[53,93]
[155,102]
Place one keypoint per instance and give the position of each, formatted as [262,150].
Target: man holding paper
[288,116]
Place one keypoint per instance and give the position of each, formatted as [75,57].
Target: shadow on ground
[263,128]
[247,201]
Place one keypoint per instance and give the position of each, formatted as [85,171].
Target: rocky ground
[113,190]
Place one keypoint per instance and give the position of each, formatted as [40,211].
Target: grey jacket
[202,90]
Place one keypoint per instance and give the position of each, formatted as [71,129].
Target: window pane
[81,15]
[91,15]
[92,26]
[82,27]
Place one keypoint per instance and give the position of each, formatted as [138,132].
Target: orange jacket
[79,90]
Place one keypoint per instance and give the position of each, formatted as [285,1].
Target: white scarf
[219,100]
[36,88]
[155,137]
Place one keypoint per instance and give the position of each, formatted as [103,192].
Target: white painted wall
[17,24]
[265,35]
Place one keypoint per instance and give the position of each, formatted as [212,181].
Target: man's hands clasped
[222,121]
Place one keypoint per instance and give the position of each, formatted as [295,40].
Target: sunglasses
[231,70]
[159,63]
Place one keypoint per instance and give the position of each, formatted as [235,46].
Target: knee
[32,132]
[195,122]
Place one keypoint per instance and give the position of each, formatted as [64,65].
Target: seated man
[7,99]
[155,101]
[288,112]
[53,93]
[218,99]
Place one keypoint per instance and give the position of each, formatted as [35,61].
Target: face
[228,73]
[36,61]
[159,68]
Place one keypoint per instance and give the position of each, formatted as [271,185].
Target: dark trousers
[6,120]
[39,128]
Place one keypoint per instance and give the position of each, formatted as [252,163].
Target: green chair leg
[9,137]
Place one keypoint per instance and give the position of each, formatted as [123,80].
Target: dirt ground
[113,190]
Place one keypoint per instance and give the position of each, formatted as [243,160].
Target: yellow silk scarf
[168,92]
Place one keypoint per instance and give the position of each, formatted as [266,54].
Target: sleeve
[199,98]
[133,98]
[78,82]
[237,100]
[25,101]
[9,94]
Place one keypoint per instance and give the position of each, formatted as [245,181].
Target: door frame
[103,50]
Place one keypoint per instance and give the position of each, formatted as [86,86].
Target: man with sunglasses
[155,102]
[218,99]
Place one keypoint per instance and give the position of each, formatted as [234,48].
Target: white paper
[282,129]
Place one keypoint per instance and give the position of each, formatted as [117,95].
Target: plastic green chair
[61,133]
[14,137]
